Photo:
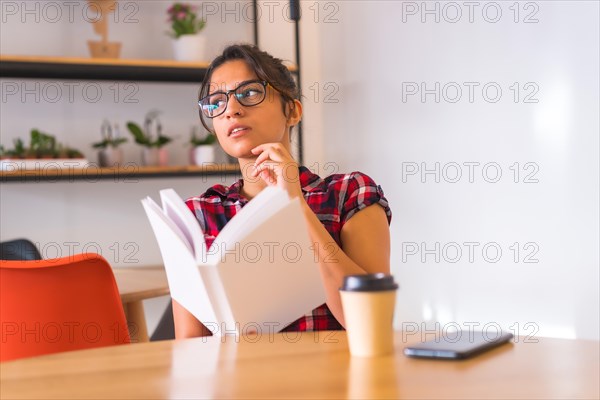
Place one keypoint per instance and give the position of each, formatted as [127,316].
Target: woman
[250,100]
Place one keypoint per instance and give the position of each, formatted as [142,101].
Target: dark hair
[265,66]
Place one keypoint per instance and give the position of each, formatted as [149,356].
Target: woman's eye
[250,92]
[216,102]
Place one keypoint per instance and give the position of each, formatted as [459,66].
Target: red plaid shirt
[334,200]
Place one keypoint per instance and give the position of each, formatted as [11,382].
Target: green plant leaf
[73,153]
[161,141]
[109,142]
[138,134]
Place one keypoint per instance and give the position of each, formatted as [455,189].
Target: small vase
[110,157]
[189,47]
[104,50]
[202,155]
[154,157]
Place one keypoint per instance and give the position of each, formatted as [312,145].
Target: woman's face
[240,128]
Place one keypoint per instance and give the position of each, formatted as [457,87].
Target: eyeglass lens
[247,94]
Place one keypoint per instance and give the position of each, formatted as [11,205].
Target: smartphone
[458,345]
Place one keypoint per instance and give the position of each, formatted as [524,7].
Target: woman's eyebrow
[236,86]
[246,81]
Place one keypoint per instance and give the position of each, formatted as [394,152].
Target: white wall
[373,55]
[356,56]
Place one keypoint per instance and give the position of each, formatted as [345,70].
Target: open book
[258,275]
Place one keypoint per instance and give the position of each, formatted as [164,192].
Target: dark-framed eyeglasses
[248,94]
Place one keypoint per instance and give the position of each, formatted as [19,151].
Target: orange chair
[68,303]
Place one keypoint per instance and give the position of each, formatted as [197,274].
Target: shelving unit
[68,68]
[168,71]
[127,173]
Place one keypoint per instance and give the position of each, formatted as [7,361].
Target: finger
[267,176]
[269,165]
[265,145]
[273,154]
[253,171]
[261,147]
[274,169]
[261,157]
[274,147]
[256,168]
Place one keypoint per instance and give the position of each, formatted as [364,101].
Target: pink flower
[181,15]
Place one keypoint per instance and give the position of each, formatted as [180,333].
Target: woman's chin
[241,154]
[241,151]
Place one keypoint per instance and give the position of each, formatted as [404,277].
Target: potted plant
[68,152]
[153,152]
[42,145]
[19,151]
[44,150]
[109,153]
[7,156]
[203,149]
[188,44]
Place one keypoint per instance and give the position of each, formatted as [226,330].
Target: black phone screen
[458,345]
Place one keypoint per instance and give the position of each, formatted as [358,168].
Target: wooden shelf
[70,68]
[128,173]
[100,69]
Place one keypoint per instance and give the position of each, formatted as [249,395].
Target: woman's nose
[233,106]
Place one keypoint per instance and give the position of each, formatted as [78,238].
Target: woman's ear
[295,113]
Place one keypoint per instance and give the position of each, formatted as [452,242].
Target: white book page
[175,208]
[269,201]
[150,204]
[281,285]
[186,284]
[220,302]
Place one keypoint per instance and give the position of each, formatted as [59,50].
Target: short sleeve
[360,192]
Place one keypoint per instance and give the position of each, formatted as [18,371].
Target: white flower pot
[190,47]
[110,157]
[202,155]
[153,156]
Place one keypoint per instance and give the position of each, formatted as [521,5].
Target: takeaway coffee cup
[368,303]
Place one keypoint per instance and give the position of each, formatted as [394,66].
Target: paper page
[267,202]
[150,204]
[175,208]
[185,281]
[220,302]
[282,284]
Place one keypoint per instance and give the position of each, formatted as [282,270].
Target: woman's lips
[239,132]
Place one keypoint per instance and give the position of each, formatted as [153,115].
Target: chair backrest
[62,304]
[19,249]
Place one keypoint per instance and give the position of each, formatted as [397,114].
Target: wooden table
[135,285]
[309,365]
